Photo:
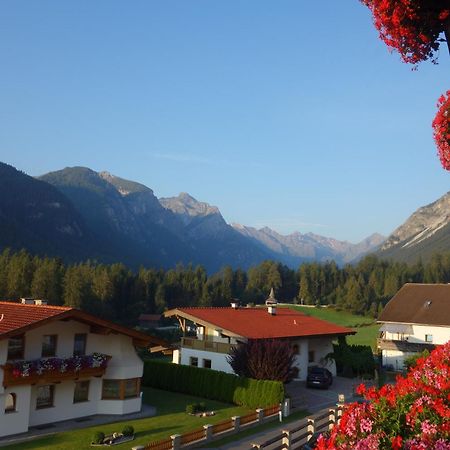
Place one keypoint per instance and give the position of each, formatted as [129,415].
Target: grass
[365,327]
[255,430]
[171,419]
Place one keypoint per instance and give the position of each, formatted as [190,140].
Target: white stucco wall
[124,364]
[218,360]
[320,346]
[441,335]
[15,422]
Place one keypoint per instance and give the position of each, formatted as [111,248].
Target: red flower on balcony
[441,130]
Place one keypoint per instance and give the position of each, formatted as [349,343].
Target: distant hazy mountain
[297,247]
[212,236]
[77,213]
[124,216]
[426,231]
[36,216]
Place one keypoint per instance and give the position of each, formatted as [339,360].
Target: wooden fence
[216,431]
[304,432]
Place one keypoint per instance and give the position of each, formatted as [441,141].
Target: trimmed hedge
[212,384]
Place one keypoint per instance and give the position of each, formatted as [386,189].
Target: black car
[319,377]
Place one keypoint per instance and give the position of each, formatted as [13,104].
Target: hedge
[212,384]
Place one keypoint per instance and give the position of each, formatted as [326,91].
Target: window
[49,345]
[16,346]
[193,361]
[79,345]
[132,388]
[45,395]
[121,389]
[111,389]
[311,356]
[428,338]
[10,403]
[81,391]
[207,363]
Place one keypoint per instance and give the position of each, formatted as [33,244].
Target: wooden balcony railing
[206,345]
[12,376]
[403,346]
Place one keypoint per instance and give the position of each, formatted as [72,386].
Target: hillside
[425,232]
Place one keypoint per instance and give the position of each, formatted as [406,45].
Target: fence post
[310,428]
[339,407]
[208,431]
[176,441]
[331,418]
[286,407]
[236,422]
[260,416]
[286,439]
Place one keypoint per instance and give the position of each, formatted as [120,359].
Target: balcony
[54,370]
[403,345]
[206,345]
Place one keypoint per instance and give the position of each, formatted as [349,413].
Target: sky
[289,114]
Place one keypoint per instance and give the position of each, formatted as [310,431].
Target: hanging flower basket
[441,130]
[412,27]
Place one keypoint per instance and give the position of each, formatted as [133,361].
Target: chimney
[32,301]
[272,310]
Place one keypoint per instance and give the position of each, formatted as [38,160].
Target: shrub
[128,430]
[212,384]
[194,408]
[98,437]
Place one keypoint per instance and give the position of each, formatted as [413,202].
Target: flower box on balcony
[54,370]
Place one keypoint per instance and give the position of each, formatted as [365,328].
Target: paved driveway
[314,399]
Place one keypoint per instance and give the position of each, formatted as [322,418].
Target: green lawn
[170,419]
[365,327]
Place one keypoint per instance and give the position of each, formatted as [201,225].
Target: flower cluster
[411,26]
[441,130]
[413,414]
[23,369]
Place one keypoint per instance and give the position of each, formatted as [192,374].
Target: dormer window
[16,348]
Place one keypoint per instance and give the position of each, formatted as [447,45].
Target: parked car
[319,377]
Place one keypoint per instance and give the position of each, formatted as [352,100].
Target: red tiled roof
[257,323]
[17,318]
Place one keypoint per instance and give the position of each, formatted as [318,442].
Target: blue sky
[289,114]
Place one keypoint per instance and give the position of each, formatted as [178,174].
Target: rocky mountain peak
[422,224]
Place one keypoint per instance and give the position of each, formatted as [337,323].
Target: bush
[212,384]
[98,437]
[194,408]
[128,430]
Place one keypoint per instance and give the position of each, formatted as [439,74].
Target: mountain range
[77,213]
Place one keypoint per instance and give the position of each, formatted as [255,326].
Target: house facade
[415,319]
[59,363]
[219,329]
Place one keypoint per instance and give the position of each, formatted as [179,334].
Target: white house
[219,329]
[59,363]
[415,319]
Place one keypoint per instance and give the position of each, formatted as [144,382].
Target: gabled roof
[257,323]
[425,304]
[17,318]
